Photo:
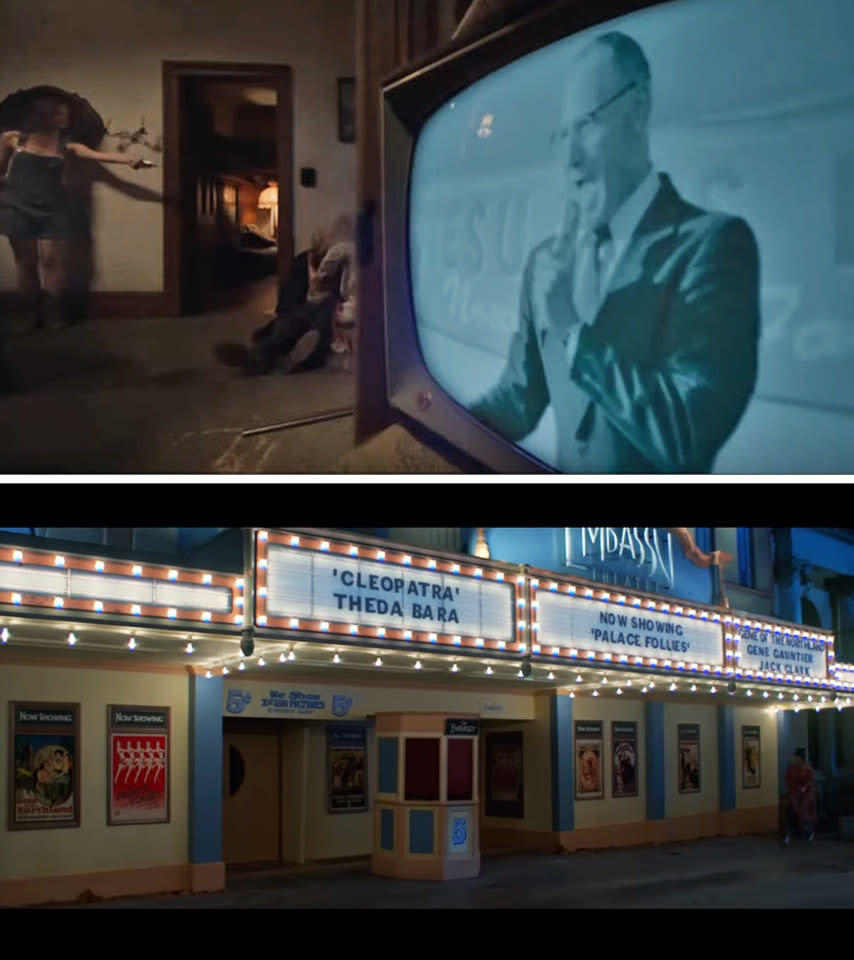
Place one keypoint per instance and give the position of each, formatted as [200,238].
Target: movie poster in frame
[624,759]
[44,759]
[138,762]
[751,777]
[505,793]
[589,753]
[689,758]
[347,759]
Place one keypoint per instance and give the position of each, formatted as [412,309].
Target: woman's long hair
[41,117]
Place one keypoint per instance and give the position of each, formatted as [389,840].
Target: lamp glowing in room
[268,199]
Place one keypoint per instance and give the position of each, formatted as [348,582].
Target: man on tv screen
[639,318]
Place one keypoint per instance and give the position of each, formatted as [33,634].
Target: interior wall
[112,55]
[94,846]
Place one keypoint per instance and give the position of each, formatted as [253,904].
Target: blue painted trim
[421,831]
[205,769]
[656,782]
[704,539]
[746,572]
[785,747]
[563,790]
[387,830]
[726,757]
[387,765]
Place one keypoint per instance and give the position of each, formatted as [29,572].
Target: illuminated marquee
[783,653]
[317,585]
[582,622]
[39,580]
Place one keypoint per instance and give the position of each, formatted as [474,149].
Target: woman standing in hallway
[34,201]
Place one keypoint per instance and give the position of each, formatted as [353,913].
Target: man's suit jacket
[669,363]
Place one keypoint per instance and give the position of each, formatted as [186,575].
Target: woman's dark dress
[34,198]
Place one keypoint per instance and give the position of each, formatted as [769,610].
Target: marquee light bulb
[262,662]
[619,691]
[292,656]
[4,636]
[551,675]
[208,675]
[378,662]
[336,659]
[693,688]
[578,678]
[595,693]
[282,658]
[417,664]
[190,648]
[71,639]
[132,644]
[455,669]
[242,666]
[489,671]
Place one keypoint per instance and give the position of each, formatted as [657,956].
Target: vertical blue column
[785,747]
[656,783]
[205,769]
[563,791]
[726,757]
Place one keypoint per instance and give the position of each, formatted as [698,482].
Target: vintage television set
[752,116]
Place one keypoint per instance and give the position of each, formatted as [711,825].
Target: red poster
[139,766]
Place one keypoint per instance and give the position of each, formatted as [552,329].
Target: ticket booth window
[421,779]
[460,769]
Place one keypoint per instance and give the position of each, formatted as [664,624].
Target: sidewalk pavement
[723,873]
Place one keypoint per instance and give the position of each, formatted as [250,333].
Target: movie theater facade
[340,698]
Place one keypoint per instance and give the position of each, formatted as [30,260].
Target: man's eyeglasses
[585,124]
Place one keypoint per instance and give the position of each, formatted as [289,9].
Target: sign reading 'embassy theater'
[318,586]
[603,627]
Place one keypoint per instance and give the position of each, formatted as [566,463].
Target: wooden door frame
[280,77]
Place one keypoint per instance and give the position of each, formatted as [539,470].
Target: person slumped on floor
[303,333]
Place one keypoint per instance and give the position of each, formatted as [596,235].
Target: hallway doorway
[228,172]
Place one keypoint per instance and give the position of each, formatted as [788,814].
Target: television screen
[631,249]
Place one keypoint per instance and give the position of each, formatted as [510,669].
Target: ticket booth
[426,796]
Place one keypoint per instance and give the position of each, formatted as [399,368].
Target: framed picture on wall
[689,758]
[347,109]
[751,777]
[624,758]
[44,765]
[589,754]
[347,764]
[505,793]
[138,752]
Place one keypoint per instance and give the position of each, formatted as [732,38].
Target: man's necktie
[588,297]
[588,277]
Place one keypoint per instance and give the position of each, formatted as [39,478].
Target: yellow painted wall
[708,799]
[536,761]
[595,813]
[93,845]
[766,794]
[333,835]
